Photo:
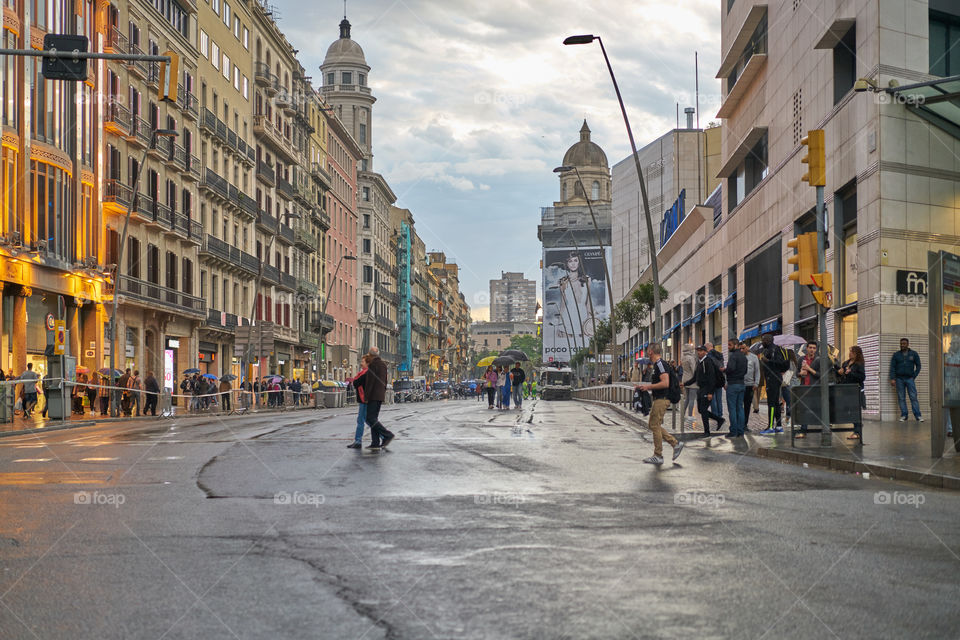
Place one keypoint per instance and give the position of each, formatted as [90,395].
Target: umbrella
[273,376]
[756,347]
[643,361]
[516,354]
[788,340]
[106,372]
[228,378]
[210,375]
[503,361]
[83,370]
[486,362]
[188,372]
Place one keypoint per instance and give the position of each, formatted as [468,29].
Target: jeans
[738,421]
[690,402]
[505,396]
[361,420]
[907,386]
[716,405]
[518,397]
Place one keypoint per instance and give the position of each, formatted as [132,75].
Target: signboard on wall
[168,369]
[911,283]
[575,296]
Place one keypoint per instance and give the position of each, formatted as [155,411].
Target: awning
[687,322]
[730,299]
[936,101]
[698,317]
[714,307]
[750,333]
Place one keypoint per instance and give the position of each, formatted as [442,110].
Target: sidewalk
[895,450]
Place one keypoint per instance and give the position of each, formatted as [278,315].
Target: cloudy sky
[477,100]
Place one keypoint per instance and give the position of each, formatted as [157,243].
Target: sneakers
[386,441]
[354,445]
[919,418]
[903,418]
[373,447]
[779,430]
[768,432]
[676,451]
[653,460]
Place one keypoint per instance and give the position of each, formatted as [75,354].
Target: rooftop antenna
[344,9]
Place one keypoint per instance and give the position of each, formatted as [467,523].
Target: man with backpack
[709,378]
[774,362]
[735,373]
[665,388]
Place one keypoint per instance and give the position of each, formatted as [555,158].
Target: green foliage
[635,310]
[530,345]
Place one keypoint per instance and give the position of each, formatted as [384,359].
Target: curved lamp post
[326,298]
[654,269]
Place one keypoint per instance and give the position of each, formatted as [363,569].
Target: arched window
[563,195]
[595,195]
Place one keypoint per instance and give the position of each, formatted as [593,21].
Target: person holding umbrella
[225,390]
[517,377]
[491,383]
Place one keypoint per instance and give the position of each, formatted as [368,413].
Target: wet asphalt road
[475,524]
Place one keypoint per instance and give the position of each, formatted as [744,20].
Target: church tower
[589,158]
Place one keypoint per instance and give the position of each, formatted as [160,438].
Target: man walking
[152,389]
[774,363]
[375,390]
[659,383]
[904,369]
[518,378]
[706,379]
[29,378]
[736,372]
[750,381]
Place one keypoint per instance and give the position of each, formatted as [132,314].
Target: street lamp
[654,269]
[326,298]
[114,396]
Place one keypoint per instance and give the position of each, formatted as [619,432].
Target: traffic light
[816,159]
[823,282]
[805,258]
[65,68]
[169,72]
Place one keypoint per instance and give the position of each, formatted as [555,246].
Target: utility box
[844,404]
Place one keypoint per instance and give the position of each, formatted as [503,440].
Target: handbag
[863,399]
[788,377]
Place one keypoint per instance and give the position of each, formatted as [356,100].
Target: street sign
[60,338]
[65,68]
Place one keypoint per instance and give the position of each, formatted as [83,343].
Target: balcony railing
[286,234]
[118,193]
[215,247]
[139,131]
[208,120]
[285,189]
[266,173]
[271,274]
[267,221]
[117,119]
[138,67]
[307,287]
[247,204]
[154,294]
[188,102]
[116,41]
[288,281]
[215,183]
[261,74]
[194,168]
[249,262]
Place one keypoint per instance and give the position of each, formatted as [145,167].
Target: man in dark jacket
[735,371]
[774,363]
[706,385]
[517,384]
[375,390]
[904,369]
[716,405]
[152,389]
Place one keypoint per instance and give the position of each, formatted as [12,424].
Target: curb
[55,427]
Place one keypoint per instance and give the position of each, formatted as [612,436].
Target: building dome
[344,50]
[585,153]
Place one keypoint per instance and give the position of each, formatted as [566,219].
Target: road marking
[96,459]
[55,477]
[31,446]
[166,458]
[497,455]
[34,460]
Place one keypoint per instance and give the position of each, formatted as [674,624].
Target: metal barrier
[619,393]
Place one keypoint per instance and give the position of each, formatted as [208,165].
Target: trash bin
[329,399]
[6,402]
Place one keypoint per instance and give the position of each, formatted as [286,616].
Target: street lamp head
[166,133]
[564,169]
[584,39]
[349,257]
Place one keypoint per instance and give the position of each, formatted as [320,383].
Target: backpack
[674,395]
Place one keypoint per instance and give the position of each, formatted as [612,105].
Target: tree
[530,345]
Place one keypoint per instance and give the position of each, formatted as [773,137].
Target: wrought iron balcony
[285,189]
[117,119]
[214,183]
[152,294]
[266,173]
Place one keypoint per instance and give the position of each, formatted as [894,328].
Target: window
[204,43]
[214,55]
[226,14]
[187,286]
[595,191]
[215,5]
[236,28]
[845,65]
[366,245]
[171,270]
[362,79]
[367,274]
[748,175]
[944,40]
[761,280]
[363,134]
[346,77]
[757,44]
[366,304]
[226,67]
[133,257]
[246,89]
[236,77]
[366,221]
[246,38]
[175,15]
[366,192]
[331,79]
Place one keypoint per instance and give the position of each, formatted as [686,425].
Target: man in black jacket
[152,388]
[375,391]
[706,385]
[517,384]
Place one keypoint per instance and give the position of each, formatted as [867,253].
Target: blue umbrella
[106,372]
[210,375]
[188,372]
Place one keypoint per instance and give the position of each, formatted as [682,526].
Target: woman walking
[491,384]
[854,371]
[501,380]
[358,381]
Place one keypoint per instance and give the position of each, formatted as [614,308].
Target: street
[473,524]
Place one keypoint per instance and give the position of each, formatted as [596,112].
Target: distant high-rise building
[513,298]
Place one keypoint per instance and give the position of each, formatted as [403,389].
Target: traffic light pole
[825,434]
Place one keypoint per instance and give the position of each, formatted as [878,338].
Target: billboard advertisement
[574,298]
